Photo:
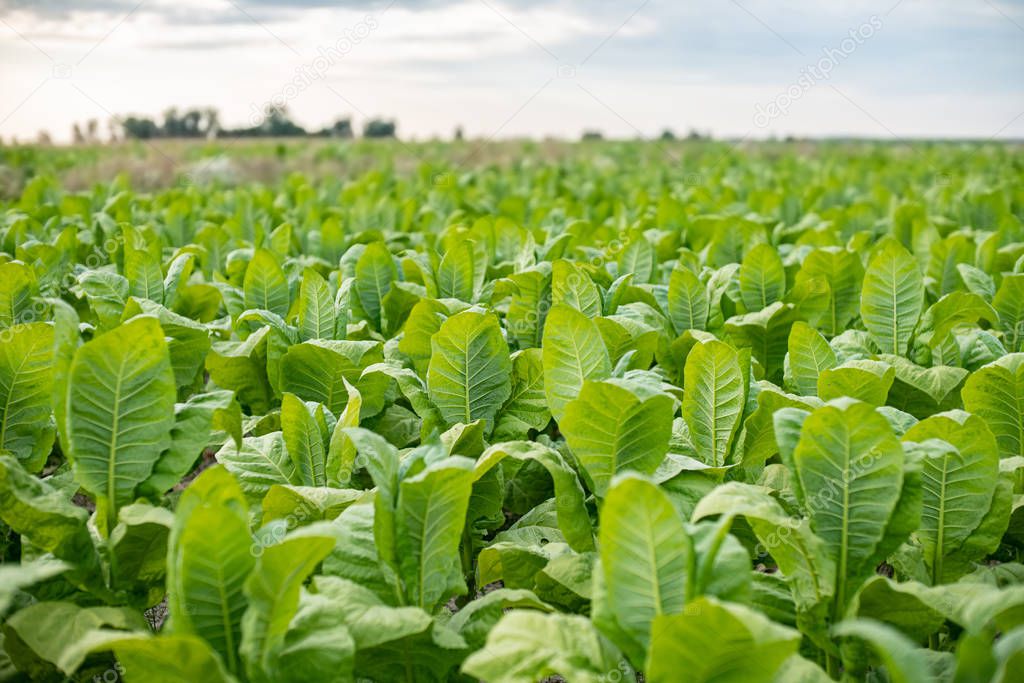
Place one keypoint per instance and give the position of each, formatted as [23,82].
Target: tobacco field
[628,414]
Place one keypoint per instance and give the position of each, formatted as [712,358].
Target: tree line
[204,122]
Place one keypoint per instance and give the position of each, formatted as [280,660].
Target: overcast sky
[500,68]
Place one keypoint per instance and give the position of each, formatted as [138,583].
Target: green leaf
[904,662]
[762,278]
[850,467]
[924,391]
[573,352]
[259,463]
[431,513]
[341,452]
[1009,304]
[617,425]
[305,436]
[864,380]
[120,411]
[56,631]
[718,641]
[317,318]
[44,516]
[265,286]
[209,559]
[528,307]
[455,273]
[468,377]
[995,392]
[716,391]
[26,385]
[527,407]
[809,355]
[272,593]
[17,287]
[527,646]
[319,371]
[375,271]
[842,270]
[169,659]
[892,297]
[799,553]
[961,470]
[645,559]
[14,578]
[687,300]
[570,285]
[142,265]
[572,518]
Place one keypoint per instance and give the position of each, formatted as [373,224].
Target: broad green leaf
[799,553]
[573,352]
[375,272]
[319,371]
[17,287]
[392,643]
[687,300]
[646,557]
[265,286]
[1009,304]
[120,411]
[272,593]
[529,305]
[892,297]
[842,270]
[341,452]
[26,387]
[305,436]
[924,391]
[809,355]
[469,374]
[44,516]
[431,513]
[455,276]
[718,641]
[527,646]
[259,463]
[617,425]
[526,407]
[715,393]
[570,285]
[142,265]
[169,659]
[15,577]
[995,392]
[762,279]
[961,470]
[55,631]
[904,662]
[864,380]
[211,555]
[850,467]
[317,317]
[572,518]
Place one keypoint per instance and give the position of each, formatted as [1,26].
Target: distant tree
[342,128]
[667,135]
[43,139]
[590,135]
[76,135]
[92,131]
[140,128]
[379,128]
[459,134]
